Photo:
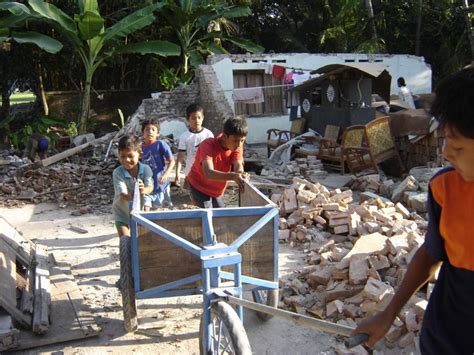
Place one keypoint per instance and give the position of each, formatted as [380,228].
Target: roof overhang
[377,71]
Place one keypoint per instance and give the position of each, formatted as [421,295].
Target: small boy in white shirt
[190,140]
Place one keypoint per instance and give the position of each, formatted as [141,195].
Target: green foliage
[91,40]
[122,120]
[189,20]
[43,125]
[71,129]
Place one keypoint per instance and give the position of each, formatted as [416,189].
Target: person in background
[218,160]
[190,140]
[449,241]
[158,156]
[404,93]
[37,144]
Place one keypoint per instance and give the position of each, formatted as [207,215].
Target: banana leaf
[44,42]
[162,48]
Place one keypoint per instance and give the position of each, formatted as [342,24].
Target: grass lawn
[20,98]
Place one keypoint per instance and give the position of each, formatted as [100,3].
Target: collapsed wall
[169,107]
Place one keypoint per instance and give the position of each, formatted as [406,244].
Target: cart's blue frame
[213,255]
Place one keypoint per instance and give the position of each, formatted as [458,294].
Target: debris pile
[357,255]
[413,190]
[80,182]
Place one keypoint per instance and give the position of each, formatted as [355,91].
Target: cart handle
[356,340]
[301,319]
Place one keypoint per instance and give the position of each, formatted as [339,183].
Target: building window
[273,102]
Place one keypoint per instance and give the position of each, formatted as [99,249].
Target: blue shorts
[159,199]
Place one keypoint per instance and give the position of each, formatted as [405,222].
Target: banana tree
[92,41]
[190,21]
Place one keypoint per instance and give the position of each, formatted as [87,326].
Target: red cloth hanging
[278,71]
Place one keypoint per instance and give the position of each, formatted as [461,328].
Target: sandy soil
[166,325]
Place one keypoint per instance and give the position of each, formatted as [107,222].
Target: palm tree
[191,20]
[90,39]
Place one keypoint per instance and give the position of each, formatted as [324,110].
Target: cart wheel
[228,333]
[267,297]
[130,322]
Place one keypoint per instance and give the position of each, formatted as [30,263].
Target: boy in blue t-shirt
[449,241]
[158,156]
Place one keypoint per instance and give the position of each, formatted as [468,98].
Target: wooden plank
[8,273]
[156,253]
[21,245]
[42,291]
[69,319]
[252,197]
[67,153]
[8,285]
[256,252]
[8,334]
[162,262]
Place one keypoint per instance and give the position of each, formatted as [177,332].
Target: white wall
[416,72]
[258,127]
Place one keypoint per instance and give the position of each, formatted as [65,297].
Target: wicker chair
[379,147]
[332,154]
[330,133]
[277,137]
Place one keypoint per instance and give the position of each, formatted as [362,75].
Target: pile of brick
[412,191]
[310,168]
[357,255]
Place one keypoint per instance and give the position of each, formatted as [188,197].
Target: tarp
[381,78]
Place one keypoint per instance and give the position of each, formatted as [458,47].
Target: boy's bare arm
[126,197]
[420,270]
[211,174]
[169,168]
[179,165]
[238,166]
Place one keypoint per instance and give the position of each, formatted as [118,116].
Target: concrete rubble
[357,254]
[412,191]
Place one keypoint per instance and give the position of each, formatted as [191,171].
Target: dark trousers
[205,201]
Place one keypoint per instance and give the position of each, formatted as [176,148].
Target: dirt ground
[166,326]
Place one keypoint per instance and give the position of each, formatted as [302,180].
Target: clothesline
[260,87]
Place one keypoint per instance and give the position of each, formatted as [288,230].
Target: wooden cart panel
[161,261]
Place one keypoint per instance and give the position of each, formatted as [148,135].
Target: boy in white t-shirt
[189,141]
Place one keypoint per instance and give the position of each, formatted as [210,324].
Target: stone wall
[171,103]
[205,90]
[212,98]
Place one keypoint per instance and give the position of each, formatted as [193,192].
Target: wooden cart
[218,253]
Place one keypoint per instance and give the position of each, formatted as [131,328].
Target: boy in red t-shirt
[218,160]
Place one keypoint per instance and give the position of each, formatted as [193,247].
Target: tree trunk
[470,28]
[5,84]
[418,28]
[41,89]
[86,103]
[370,12]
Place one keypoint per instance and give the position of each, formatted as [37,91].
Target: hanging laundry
[278,71]
[268,68]
[289,78]
[300,78]
[248,95]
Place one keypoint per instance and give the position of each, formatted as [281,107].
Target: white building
[250,70]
